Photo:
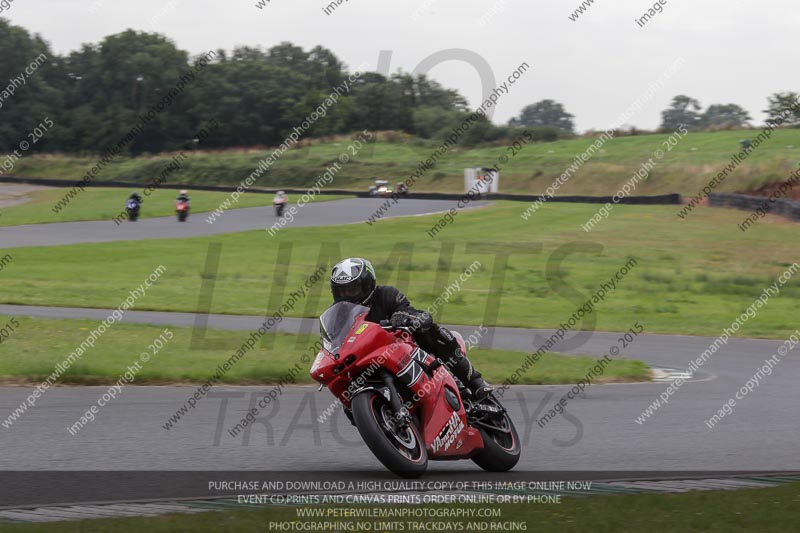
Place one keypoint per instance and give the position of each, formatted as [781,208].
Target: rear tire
[401,451]
[501,451]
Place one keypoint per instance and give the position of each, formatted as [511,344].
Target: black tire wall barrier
[662,199]
[786,208]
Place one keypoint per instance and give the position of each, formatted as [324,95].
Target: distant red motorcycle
[405,404]
[182,209]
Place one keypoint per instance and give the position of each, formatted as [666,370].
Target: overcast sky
[736,51]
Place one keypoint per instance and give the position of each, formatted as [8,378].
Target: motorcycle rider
[135,197]
[353,280]
[183,196]
[280,203]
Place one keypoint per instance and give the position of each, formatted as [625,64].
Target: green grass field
[739,511]
[685,169]
[699,267]
[108,203]
[38,345]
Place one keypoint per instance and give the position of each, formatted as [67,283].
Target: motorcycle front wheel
[400,449]
[501,448]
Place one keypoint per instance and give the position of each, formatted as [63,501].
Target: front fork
[402,414]
[402,417]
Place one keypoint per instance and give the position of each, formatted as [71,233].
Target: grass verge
[534,273]
[685,169]
[36,346]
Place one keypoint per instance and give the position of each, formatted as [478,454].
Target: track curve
[333,213]
[597,433]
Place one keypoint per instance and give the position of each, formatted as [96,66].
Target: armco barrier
[787,208]
[640,200]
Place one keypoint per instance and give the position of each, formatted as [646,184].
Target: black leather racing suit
[432,338]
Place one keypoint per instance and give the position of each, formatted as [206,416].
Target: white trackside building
[481,180]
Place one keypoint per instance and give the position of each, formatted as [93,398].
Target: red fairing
[368,348]
[446,432]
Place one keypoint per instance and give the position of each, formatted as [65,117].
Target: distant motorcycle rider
[135,197]
[353,280]
[183,196]
[280,203]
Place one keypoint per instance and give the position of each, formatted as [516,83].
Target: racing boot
[461,367]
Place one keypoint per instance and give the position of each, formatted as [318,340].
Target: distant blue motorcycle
[132,207]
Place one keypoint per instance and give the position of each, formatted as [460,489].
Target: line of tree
[96,94]
[688,111]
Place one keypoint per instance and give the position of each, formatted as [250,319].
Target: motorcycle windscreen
[336,321]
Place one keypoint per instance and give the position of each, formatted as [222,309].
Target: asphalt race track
[333,213]
[597,433]
[600,433]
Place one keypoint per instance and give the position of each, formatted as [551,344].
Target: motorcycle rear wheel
[401,450]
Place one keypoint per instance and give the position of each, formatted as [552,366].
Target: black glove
[401,319]
[415,321]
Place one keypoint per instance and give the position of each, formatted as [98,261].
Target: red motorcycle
[406,405]
[182,209]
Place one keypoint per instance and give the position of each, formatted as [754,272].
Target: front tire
[400,450]
[501,449]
